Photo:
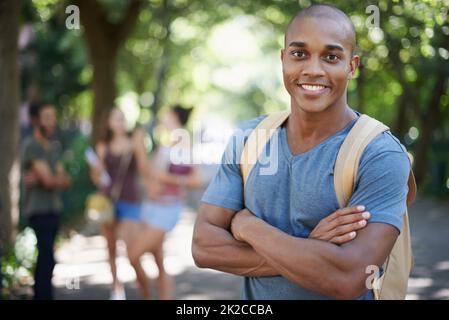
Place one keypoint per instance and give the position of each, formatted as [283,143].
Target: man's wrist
[242,221]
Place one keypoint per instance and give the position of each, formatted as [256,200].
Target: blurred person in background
[42,204]
[57,135]
[112,150]
[167,185]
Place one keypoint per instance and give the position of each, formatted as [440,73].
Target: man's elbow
[350,287]
[68,184]
[199,252]
[199,255]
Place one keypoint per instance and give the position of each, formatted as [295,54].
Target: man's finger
[344,238]
[348,228]
[348,219]
[344,211]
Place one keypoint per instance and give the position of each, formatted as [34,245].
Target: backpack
[392,285]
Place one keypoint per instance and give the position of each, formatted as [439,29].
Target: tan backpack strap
[348,158]
[257,140]
[393,283]
[411,188]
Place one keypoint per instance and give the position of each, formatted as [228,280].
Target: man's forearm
[312,264]
[219,250]
[64,181]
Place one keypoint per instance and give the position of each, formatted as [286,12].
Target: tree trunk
[429,122]
[103,40]
[162,71]
[9,104]
[103,85]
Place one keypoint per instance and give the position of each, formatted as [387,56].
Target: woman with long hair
[123,157]
[167,185]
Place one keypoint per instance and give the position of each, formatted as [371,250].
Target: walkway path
[82,271]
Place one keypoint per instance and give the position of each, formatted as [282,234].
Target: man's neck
[40,137]
[307,129]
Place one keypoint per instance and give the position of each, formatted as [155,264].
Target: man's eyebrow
[300,44]
[334,47]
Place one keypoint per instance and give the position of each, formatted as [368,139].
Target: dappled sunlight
[222,61]
[441,266]
[441,294]
[82,263]
[419,282]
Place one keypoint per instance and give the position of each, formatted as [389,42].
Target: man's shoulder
[386,142]
[387,149]
[31,143]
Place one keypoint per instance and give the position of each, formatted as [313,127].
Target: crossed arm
[43,174]
[255,248]
[214,247]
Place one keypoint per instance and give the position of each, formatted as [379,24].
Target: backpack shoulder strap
[348,158]
[257,140]
[412,189]
[393,283]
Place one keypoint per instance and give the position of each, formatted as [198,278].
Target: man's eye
[298,54]
[332,57]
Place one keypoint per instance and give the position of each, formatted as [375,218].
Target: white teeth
[312,87]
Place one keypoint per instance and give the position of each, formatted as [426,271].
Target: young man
[42,202]
[273,233]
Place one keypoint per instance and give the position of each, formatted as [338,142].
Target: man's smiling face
[317,63]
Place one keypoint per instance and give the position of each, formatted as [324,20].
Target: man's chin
[311,107]
[49,133]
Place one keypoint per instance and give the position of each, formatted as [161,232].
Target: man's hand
[30,178]
[341,226]
[238,222]
[64,179]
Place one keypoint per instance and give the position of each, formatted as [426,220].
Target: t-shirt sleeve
[381,186]
[226,188]
[33,151]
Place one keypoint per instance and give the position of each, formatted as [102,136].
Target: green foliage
[56,57]
[17,265]
[78,169]
[223,58]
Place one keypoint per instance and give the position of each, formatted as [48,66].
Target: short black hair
[182,113]
[33,109]
[327,11]
[36,108]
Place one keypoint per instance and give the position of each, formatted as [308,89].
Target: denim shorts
[127,211]
[161,215]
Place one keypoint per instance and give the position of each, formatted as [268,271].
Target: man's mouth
[312,87]
[313,90]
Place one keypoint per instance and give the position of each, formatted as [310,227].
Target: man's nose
[313,68]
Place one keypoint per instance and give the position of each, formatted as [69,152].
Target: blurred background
[223,59]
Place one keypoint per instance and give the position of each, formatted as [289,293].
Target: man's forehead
[48,108]
[333,27]
[323,27]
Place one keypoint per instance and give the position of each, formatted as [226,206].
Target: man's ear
[354,64]
[282,54]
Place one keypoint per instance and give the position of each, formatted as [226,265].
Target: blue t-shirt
[295,192]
